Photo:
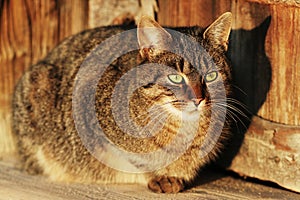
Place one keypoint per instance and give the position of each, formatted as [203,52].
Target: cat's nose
[197,101]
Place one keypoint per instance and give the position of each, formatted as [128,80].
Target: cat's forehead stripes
[186,68]
[186,79]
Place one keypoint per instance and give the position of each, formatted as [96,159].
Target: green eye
[211,76]
[175,78]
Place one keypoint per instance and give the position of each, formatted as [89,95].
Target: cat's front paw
[165,184]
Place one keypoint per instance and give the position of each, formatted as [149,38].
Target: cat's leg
[174,177]
[28,160]
[166,184]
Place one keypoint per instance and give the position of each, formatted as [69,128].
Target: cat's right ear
[218,32]
[151,37]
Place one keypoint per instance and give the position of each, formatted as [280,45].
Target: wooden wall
[30,29]
[264,52]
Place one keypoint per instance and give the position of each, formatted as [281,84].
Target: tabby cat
[175,103]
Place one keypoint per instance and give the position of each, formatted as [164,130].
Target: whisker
[233,111]
[152,114]
[157,116]
[232,107]
[228,99]
[231,102]
[141,118]
[232,116]
[239,103]
[156,124]
[242,91]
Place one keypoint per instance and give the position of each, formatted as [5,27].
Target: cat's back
[76,47]
[42,101]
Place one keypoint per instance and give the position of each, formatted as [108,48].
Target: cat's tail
[7,141]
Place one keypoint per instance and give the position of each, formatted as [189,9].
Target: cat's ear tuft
[151,36]
[218,32]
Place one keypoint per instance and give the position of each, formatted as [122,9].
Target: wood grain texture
[103,12]
[270,151]
[295,3]
[192,12]
[29,30]
[213,186]
[282,104]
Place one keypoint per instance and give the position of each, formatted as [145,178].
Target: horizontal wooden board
[270,151]
[15,184]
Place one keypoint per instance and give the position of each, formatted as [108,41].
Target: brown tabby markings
[48,140]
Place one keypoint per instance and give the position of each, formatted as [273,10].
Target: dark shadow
[207,175]
[251,67]
[251,80]
[213,174]
[1,11]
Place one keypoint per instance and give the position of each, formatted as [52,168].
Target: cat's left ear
[151,37]
[218,32]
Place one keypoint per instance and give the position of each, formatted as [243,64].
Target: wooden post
[271,148]
[283,48]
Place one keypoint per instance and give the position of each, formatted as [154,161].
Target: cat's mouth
[187,108]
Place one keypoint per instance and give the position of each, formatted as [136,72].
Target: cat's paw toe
[164,184]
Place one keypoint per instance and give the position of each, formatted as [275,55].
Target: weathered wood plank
[282,104]
[213,185]
[191,12]
[270,151]
[72,17]
[295,3]
[102,13]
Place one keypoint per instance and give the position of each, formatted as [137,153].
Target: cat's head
[186,88]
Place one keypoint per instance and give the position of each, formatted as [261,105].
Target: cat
[45,124]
